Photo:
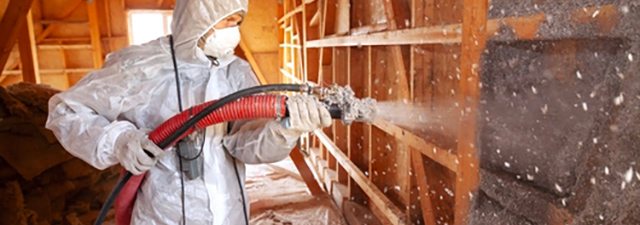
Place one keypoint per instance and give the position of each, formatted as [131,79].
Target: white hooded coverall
[136,89]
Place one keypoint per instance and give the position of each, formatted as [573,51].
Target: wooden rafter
[473,44]
[11,23]
[305,172]
[28,51]
[388,208]
[92,10]
[252,61]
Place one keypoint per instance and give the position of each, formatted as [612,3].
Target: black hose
[192,122]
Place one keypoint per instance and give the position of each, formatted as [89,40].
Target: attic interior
[488,111]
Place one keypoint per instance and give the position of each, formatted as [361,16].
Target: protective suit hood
[193,18]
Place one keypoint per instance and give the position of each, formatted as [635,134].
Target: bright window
[148,25]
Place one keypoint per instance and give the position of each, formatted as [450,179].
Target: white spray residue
[418,118]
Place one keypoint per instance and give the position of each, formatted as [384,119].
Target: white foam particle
[579,74]
[601,217]
[545,109]
[536,169]
[630,56]
[584,106]
[564,202]
[623,185]
[535,91]
[397,187]
[606,170]
[593,180]
[529,177]
[618,100]
[449,191]
[506,164]
[624,9]
[595,14]
[595,140]
[638,175]
[628,175]
[558,188]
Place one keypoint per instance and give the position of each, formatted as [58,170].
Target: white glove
[307,114]
[130,151]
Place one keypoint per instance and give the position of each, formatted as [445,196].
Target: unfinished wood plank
[92,10]
[64,13]
[11,23]
[343,18]
[428,214]
[315,20]
[369,127]
[422,35]
[393,213]
[28,52]
[438,154]
[252,62]
[290,14]
[474,40]
[305,172]
[107,14]
[368,29]
[52,71]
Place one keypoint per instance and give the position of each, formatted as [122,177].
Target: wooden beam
[368,29]
[92,10]
[428,214]
[159,3]
[393,213]
[315,20]
[252,61]
[63,22]
[64,13]
[28,52]
[369,127]
[51,71]
[11,23]
[290,14]
[305,172]
[61,47]
[474,41]
[107,13]
[524,28]
[436,153]
[422,35]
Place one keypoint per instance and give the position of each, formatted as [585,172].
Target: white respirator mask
[222,42]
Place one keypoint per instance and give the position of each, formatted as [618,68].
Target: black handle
[334,110]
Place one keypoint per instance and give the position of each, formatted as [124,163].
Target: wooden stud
[343,17]
[159,3]
[12,20]
[28,52]
[92,10]
[388,208]
[107,13]
[252,62]
[60,47]
[473,43]
[369,127]
[305,172]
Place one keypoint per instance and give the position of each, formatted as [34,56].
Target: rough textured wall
[560,121]
[40,183]
[560,133]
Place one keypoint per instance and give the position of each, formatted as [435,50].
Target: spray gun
[342,104]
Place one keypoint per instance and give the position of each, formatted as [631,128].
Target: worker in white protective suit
[105,118]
